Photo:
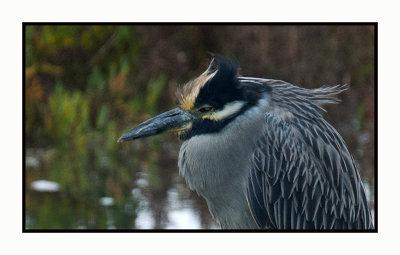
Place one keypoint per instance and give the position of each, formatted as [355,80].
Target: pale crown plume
[187,94]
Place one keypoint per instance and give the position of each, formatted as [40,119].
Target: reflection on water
[181,211]
[159,198]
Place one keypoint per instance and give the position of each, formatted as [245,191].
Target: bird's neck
[216,166]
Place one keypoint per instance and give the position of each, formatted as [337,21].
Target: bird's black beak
[174,120]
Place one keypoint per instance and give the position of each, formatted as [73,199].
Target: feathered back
[304,102]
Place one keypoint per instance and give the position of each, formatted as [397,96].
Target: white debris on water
[45,186]
[106,201]
[142,183]
[31,161]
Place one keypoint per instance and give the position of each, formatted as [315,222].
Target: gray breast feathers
[216,166]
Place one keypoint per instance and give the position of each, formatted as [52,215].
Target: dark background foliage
[87,84]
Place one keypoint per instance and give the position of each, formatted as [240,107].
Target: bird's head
[205,105]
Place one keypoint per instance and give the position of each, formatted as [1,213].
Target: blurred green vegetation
[85,85]
[75,93]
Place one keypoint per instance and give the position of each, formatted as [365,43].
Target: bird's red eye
[205,109]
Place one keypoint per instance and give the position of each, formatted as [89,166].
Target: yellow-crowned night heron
[261,154]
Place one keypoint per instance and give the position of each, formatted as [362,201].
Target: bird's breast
[219,176]
[217,165]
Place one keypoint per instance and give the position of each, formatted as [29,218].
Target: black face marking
[222,89]
[208,126]
[205,109]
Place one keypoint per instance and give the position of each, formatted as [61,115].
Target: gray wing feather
[303,177]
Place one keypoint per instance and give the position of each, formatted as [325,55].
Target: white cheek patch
[228,110]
